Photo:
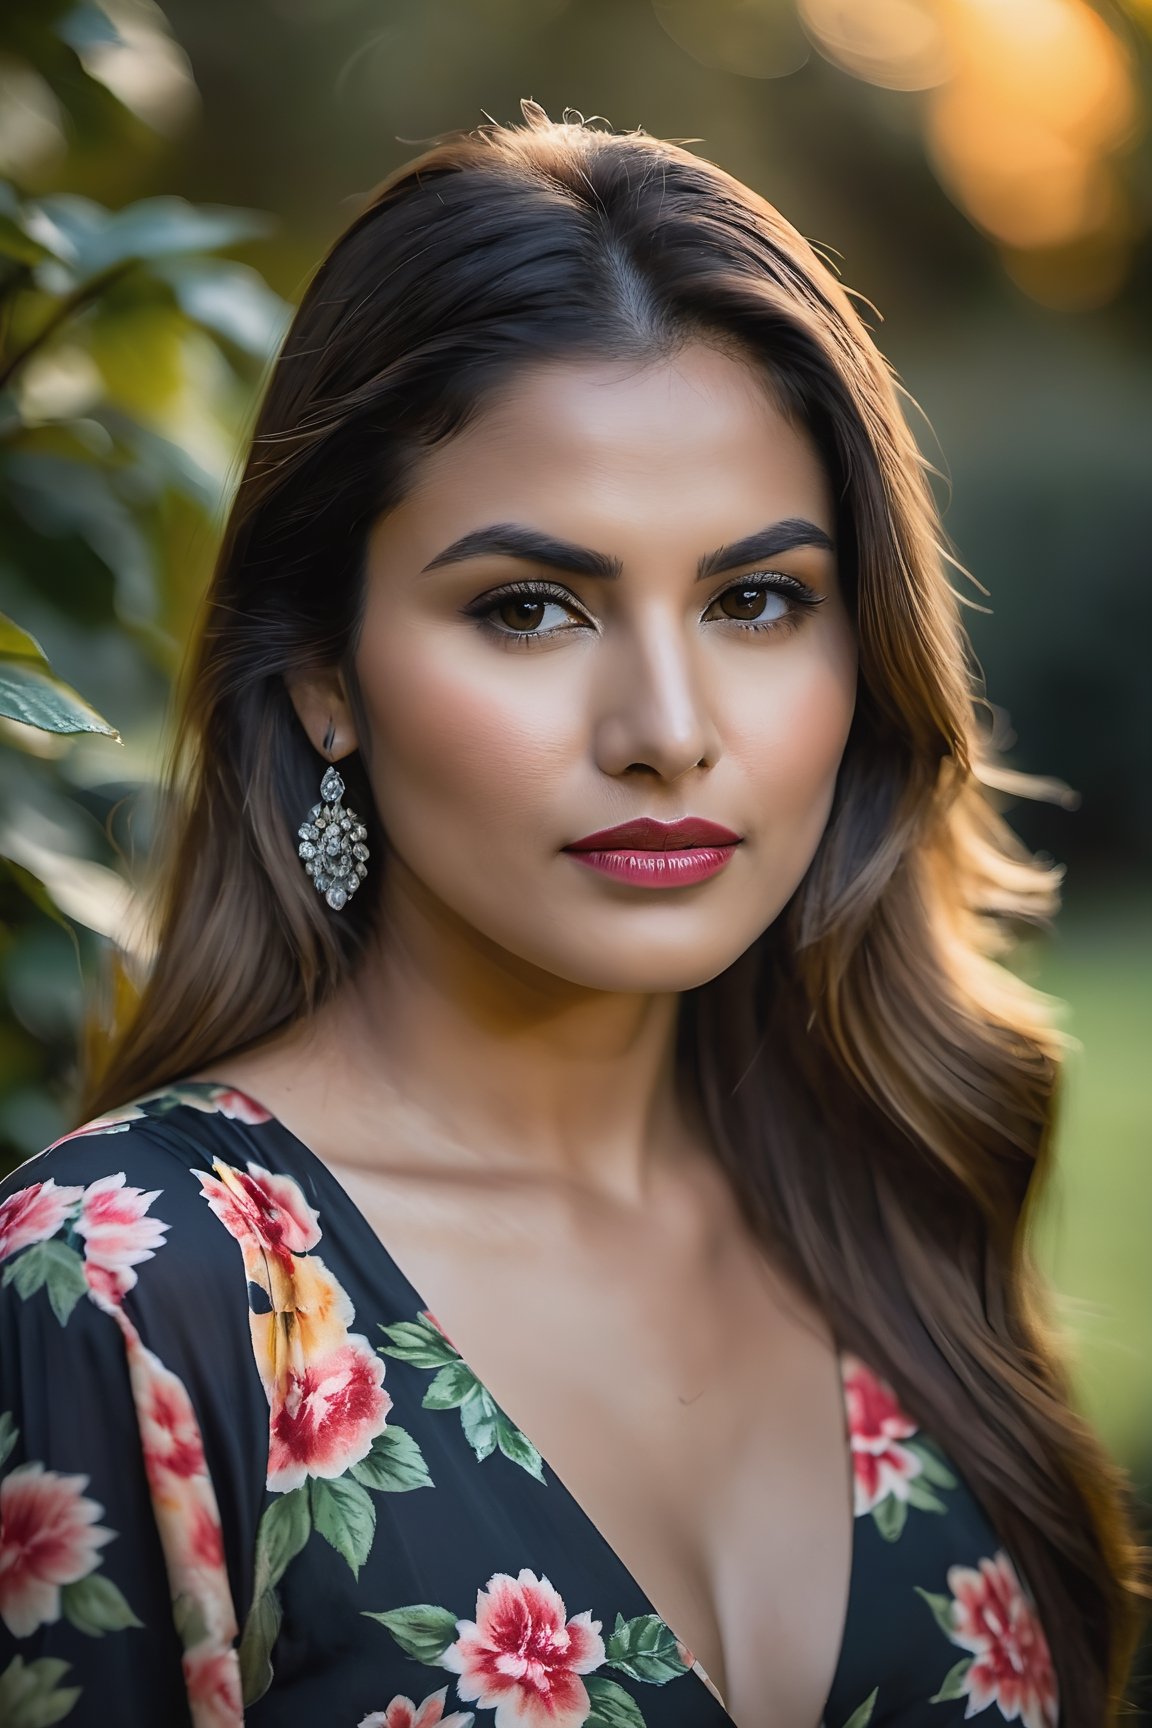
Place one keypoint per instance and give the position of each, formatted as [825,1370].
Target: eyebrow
[512,540]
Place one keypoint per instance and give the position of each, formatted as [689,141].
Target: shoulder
[127,1188]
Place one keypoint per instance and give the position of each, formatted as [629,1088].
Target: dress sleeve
[133,1440]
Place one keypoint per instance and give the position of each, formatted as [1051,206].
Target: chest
[687,1401]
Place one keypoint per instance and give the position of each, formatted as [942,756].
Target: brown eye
[521,615]
[749,603]
[743,602]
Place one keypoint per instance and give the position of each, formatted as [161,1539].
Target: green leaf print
[454,1386]
[394,1464]
[889,1516]
[518,1447]
[479,1417]
[645,1648]
[955,1683]
[418,1342]
[343,1513]
[9,1434]
[421,1630]
[260,1630]
[450,1386]
[29,1695]
[941,1607]
[862,1715]
[51,1264]
[95,1605]
[282,1533]
[612,1707]
[931,1464]
[922,1497]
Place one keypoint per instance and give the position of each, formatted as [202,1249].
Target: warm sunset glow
[1026,106]
[899,44]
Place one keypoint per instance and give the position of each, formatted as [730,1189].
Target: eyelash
[803,598]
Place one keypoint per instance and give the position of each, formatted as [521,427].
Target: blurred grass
[1094,1232]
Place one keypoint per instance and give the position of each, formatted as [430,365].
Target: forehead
[693,444]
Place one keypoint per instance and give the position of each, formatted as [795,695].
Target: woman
[573,1023]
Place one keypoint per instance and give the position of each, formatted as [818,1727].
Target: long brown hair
[878,1085]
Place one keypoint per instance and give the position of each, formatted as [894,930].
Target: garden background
[978,170]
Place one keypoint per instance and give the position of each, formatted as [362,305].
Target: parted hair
[878,1084]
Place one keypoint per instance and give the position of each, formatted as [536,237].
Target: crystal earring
[332,844]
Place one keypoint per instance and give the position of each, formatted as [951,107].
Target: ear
[322,706]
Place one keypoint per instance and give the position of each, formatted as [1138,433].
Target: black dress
[246,1477]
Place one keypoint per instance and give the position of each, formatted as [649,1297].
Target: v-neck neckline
[580,1516]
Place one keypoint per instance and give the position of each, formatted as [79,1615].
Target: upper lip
[645,834]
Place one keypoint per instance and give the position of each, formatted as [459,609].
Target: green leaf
[516,1445]
[232,300]
[95,1605]
[260,1631]
[34,890]
[422,1630]
[283,1530]
[394,1464]
[38,698]
[941,1607]
[890,1515]
[343,1513]
[934,1469]
[159,227]
[645,1648]
[29,1695]
[188,1615]
[922,1497]
[9,1434]
[479,1418]
[65,1280]
[418,1342]
[87,26]
[17,644]
[955,1683]
[450,1386]
[862,1715]
[53,1264]
[612,1707]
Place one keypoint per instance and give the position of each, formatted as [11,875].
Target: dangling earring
[332,844]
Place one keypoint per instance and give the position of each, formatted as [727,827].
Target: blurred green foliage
[129,356]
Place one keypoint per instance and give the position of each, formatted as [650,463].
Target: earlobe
[324,712]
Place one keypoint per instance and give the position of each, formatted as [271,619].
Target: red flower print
[325,1414]
[117,1234]
[402,1713]
[48,1537]
[212,1683]
[876,1425]
[1011,1665]
[34,1214]
[169,1431]
[522,1658]
[183,1498]
[222,1101]
[265,1213]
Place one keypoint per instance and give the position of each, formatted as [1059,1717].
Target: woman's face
[613,597]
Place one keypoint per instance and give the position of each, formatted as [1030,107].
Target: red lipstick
[655,854]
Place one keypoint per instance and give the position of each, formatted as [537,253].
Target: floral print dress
[245,1476]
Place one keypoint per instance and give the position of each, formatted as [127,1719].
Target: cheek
[461,735]
[790,724]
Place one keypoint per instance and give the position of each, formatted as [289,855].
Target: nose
[653,706]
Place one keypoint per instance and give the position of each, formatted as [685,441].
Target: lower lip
[678,867]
